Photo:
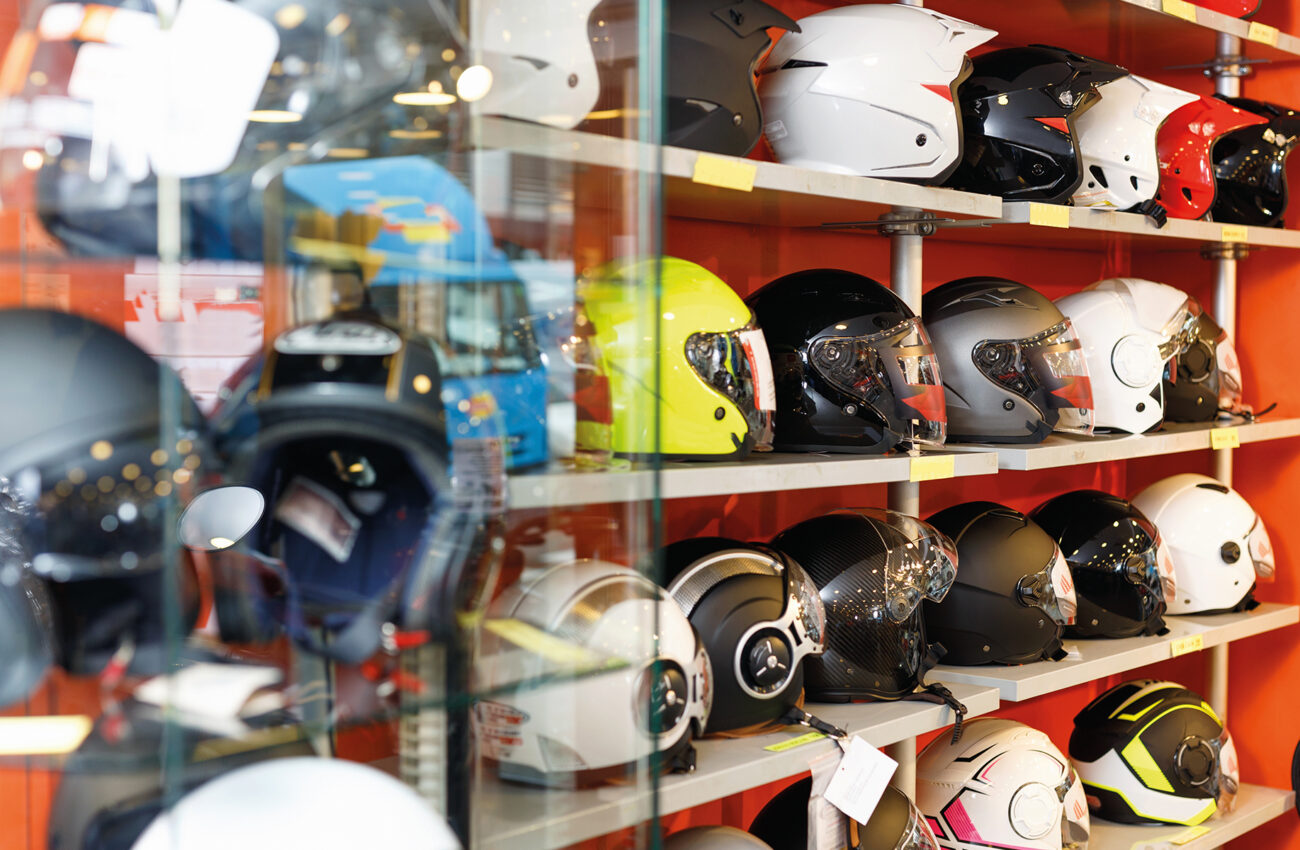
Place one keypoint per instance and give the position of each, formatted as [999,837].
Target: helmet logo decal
[994,298]
[1057,124]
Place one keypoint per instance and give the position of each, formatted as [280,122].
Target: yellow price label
[1049,215]
[1179,9]
[1225,438]
[725,172]
[1262,33]
[544,644]
[1182,646]
[1190,834]
[1233,233]
[933,467]
[806,738]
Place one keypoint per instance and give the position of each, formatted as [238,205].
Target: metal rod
[1227,82]
[904,752]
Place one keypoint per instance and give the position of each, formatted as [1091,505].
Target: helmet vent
[1218,488]
[801,63]
[1099,175]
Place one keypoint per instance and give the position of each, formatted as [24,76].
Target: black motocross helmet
[1013,593]
[895,824]
[854,368]
[759,616]
[1116,562]
[1018,108]
[1250,166]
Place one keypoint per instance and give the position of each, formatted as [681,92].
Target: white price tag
[211,690]
[860,780]
[826,825]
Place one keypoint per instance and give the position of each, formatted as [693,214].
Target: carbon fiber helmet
[1154,752]
[1013,593]
[1018,109]
[853,366]
[1013,367]
[1123,577]
[759,616]
[1250,166]
[895,824]
[872,569]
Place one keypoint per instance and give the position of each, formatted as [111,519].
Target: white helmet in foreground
[1004,784]
[1217,543]
[870,90]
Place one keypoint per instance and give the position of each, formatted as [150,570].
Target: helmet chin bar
[769,652]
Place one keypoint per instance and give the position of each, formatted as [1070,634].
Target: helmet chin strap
[937,693]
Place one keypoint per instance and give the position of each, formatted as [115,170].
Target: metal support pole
[904,752]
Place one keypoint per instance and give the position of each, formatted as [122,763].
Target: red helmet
[1183,145]
[1233,8]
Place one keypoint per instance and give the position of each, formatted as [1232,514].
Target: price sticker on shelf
[1049,215]
[1179,9]
[1262,33]
[933,467]
[1183,646]
[724,172]
[1233,233]
[806,738]
[1225,438]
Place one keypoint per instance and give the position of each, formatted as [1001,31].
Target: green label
[806,738]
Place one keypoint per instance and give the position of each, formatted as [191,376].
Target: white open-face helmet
[538,60]
[1129,328]
[589,671]
[870,90]
[1004,784]
[1117,144]
[1217,543]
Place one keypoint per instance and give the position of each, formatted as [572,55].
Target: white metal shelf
[1097,659]
[515,816]
[1256,806]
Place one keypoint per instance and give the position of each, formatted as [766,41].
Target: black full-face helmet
[854,368]
[1250,166]
[1121,573]
[1018,109]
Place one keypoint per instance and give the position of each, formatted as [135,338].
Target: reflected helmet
[713,838]
[1154,752]
[1117,144]
[624,650]
[870,90]
[853,366]
[1130,329]
[1019,109]
[1250,166]
[895,823]
[26,618]
[1013,367]
[1183,145]
[714,390]
[872,569]
[759,616]
[1216,541]
[1004,784]
[1122,575]
[1013,594]
[1233,8]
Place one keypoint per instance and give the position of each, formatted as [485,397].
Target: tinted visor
[1261,550]
[1048,370]
[1051,589]
[737,365]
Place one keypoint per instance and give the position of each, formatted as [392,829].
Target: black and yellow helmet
[1154,752]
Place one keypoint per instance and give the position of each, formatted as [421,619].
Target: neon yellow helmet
[714,376]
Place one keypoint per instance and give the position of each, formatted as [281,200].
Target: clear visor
[1075,825]
[1211,765]
[1181,330]
[1050,367]
[895,371]
[1052,590]
[1165,568]
[1261,550]
[921,562]
[737,365]
[917,835]
[810,612]
[1229,375]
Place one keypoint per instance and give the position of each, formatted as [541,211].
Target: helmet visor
[1165,568]
[921,562]
[917,834]
[1052,590]
[737,365]
[1074,813]
[1211,765]
[1261,550]
[1048,369]
[895,371]
[810,611]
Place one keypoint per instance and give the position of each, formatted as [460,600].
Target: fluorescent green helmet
[715,392]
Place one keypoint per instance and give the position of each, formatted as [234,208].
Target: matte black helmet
[895,824]
[1116,560]
[853,366]
[1013,593]
[1017,110]
[1250,166]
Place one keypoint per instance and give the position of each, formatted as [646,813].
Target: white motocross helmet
[1117,143]
[1004,784]
[1217,543]
[595,670]
[869,90]
[540,61]
[1129,329]
[325,804]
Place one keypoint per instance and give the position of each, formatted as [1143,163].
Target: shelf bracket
[897,223]
[1225,251]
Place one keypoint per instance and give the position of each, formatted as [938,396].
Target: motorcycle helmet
[714,394]
[1013,594]
[713,838]
[1019,109]
[1232,8]
[1130,329]
[885,77]
[759,616]
[1216,541]
[1154,752]
[895,824]
[643,668]
[323,803]
[1004,784]
[26,619]
[108,441]
[872,569]
[853,367]
[1122,575]
[338,436]
[251,89]
[1204,375]
[1250,166]
[1183,146]
[1013,367]
[1117,145]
